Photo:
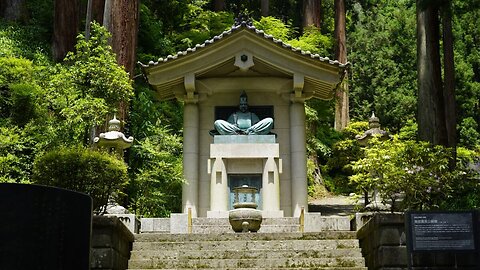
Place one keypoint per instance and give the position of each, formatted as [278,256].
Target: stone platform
[178,223]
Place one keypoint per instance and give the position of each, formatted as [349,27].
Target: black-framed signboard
[453,231]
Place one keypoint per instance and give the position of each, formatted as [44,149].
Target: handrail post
[302,220]
[189,220]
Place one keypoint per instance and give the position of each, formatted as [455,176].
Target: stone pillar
[298,157]
[271,186]
[218,188]
[190,157]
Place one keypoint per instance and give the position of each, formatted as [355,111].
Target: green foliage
[275,27]
[314,41]
[311,40]
[23,103]
[84,170]
[409,131]
[156,171]
[23,41]
[146,112]
[15,70]
[344,151]
[94,70]
[15,155]
[383,52]
[415,170]
[467,57]
[81,93]
[172,13]
[152,41]
[469,136]
[200,26]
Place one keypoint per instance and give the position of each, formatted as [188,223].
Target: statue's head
[243,102]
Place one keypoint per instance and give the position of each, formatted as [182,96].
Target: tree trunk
[98,7]
[88,19]
[431,112]
[123,25]
[341,95]
[13,10]
[449,81]
[219,5]
[311,13]
[65,27]
[122,21]
[107,15]
[265,4]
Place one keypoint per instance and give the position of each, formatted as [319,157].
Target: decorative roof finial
[243,18]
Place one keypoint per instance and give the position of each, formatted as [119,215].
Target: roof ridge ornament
[243,19]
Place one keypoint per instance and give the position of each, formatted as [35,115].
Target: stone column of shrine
[298,156]
[190,156]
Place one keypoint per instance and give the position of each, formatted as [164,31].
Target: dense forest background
[62,78]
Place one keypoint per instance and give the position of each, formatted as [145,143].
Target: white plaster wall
[281,123]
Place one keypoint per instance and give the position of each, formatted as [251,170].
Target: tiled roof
[252,28]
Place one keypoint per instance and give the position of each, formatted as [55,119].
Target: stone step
[249,245]
[246,263]
[244,254]
[222,225]
[266,221]
[314,222]
[161,237]
[272,268]
[216,229]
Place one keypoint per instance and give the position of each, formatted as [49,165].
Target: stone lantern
[374,125]
[113,139]
[374,131]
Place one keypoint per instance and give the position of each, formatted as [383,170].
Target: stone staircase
[328,250]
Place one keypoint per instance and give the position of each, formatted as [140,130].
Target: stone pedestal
[236,154]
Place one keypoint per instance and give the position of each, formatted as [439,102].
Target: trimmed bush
[84,170]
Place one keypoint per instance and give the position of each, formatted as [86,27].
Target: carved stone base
[245,219]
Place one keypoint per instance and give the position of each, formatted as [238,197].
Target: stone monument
[44,227]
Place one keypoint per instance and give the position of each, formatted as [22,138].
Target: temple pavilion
[278,79]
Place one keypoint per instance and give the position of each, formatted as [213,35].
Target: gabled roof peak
[244,23]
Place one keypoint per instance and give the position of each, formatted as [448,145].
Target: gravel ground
[334,205]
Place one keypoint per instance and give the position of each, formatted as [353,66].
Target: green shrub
[84,170]
[420,172]
[23,103]
[15,166]
[15,70]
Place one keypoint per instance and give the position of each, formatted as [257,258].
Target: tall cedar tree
[219,5]
[65,27]
[449,76]
[436,108]
[311,13]
[341,95]
[121,18]
[13,10]
[265,4]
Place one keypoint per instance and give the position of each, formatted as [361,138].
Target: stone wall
[383,243]
[111,244]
